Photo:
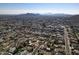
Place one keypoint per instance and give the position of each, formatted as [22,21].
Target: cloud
[12,11]
[53,11]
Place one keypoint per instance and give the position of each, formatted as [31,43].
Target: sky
[42,8]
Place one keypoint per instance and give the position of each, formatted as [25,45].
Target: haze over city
[52,8]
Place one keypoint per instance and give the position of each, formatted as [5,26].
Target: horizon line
[40,13]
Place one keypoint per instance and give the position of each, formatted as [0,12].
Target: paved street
[67,42]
